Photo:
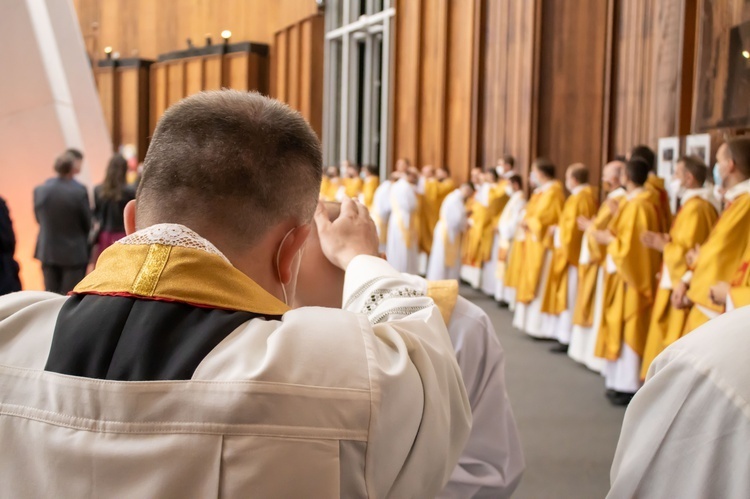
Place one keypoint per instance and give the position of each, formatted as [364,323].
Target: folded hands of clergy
[692,256]
[603,236]
[614,205]
[584,223]
[655,240]
[352,234]
[679,296]
[718,293]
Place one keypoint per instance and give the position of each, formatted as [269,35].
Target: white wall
[48,102]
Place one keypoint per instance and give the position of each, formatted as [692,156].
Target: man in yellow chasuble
[372,182]
[560,292]
[690,227]
[655,186]
[434,186]
[530,270]
[178,369]
[720,256]
[588,312]
[630,283]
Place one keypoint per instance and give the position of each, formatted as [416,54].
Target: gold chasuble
[660,198]
[739,293]
[434,194]
[353,187]
[542,212]
[567,248]
[588,269]
[329,189]
[691,227]
[631,278]
[368,191]
[720,256]
[486,209]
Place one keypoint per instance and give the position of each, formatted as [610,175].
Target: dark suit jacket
[109,213]
[64,215]
[9,281]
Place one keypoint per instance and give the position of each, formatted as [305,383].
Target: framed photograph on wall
[699,145]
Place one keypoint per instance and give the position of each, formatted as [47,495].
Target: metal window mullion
[385,100]
[368,107]
[344,110]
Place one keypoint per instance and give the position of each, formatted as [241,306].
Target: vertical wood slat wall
[124,96]
[436,83]
[297,68]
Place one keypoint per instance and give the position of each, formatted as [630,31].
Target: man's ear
[129,217]
[289,249]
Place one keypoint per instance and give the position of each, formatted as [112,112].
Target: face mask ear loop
[278,267]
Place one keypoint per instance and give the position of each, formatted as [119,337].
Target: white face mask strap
[278,269]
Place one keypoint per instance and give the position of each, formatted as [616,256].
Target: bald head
[232,164]
[611,175]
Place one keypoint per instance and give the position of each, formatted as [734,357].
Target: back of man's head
[233,162]
[739,150]
[696,167]
[646,154]
[636,170]
[64,164]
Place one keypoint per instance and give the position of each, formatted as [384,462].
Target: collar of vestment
[736,191]
[701,192]
[617,193]
[634,193]
[507,175]
[170,262]
[578,189]
[544,187]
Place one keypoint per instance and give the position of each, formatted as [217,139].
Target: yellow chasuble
[660,199]
[498,199]
[368,191]
[740,290]
[583,314]
[429,213]
[580,204]
[353,187]
[324,183]
[691,227]
[629,291]
[329,191]
[541,214]
[719,258]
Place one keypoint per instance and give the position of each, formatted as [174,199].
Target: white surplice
[404,257]
[451,225]
[686,432]
[582,346]
[507,227]
[381,210]
[492,462]
[367,401]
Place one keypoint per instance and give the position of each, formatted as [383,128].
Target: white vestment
[381,210]
[582,346]
[362,402]
[686,432]
[450,226]
[492,462]
[507,226]
[402,254]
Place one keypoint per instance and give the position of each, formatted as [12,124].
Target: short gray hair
[239,161]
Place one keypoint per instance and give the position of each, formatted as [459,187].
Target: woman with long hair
[110,198]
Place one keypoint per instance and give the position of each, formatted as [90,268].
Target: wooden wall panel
[175,81]
[432,67]
[436,83]
[297,68]
[406,85]
[194,75]
[107,83]
[506,82]
[293,66]
[648,72]
[129,94]
[571,83]
[237,67]
[212,72]
[147,28]
[159,87]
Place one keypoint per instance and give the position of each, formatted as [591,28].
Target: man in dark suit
[62,209]
[9,281]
